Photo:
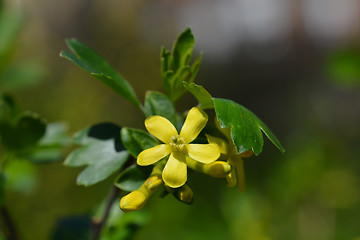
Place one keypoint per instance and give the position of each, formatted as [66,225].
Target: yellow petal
[194,123]
[175,171]
[218,141]
[154,154]
[204,153]
[161,128]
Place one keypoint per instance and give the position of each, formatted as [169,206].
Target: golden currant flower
[228,149]
[178,146]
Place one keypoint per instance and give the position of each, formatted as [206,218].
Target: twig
[9,224]
[98,224]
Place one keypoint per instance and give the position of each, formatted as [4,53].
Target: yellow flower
[178,146]
[237,174]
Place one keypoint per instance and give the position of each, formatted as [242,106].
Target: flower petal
[194,123]
[204,153]
[161,128]
[175,171]
[154,154]
[218,141]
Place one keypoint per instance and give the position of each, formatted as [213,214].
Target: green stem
[97,225]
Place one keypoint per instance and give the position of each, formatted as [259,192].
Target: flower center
[177,143]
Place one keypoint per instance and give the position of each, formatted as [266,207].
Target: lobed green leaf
[244,125]
[102,169]
[203,96]
[51,146]
[101,150]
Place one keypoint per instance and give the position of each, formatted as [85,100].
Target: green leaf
[93,63]
[245,126]
[102,169]
[182,50]
[52,145]
[132,178]
[25,133]
[157,103]
[101,131]
[56,134]
[175,66]
[203,96]
[136,140]
[102,151]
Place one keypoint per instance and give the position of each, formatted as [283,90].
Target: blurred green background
[296,64]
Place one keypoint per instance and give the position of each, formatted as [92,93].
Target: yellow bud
[185,194]
[153,182]
[133,201]
[217,169]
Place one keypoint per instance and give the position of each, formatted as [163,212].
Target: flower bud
[134,200]
[217,169]
[184,194]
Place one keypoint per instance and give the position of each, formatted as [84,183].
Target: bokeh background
[294,63]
